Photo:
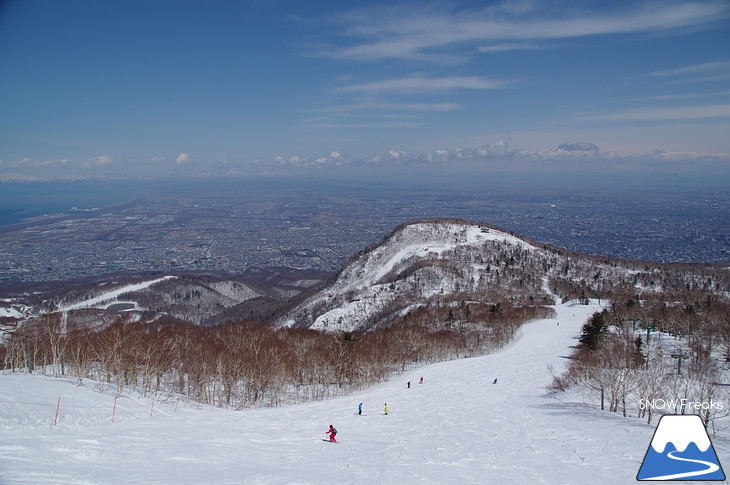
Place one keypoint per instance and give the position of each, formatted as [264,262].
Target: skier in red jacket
[332,432]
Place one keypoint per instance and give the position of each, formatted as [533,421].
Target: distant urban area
[236,228]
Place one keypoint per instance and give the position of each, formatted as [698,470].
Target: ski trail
[458,416]
[712,468]
[111,295]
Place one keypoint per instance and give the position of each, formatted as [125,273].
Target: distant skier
[386,409]
[359,409]
[495,381]
[421,381]
[332,432]
[409,384]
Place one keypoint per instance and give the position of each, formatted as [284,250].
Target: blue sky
[92,89]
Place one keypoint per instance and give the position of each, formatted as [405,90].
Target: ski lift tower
[677,354]
[649,328]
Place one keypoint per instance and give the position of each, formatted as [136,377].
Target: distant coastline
[25,203]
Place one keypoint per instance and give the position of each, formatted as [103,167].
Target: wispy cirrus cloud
[373,124]
[695,73]
[684,96]
[666,114]
[421,84]
[704,68]
[511,46]
[452,55]
[387,106]
[441,35]
[385,114]
[374,100]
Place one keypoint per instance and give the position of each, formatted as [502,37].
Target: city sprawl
[320,226]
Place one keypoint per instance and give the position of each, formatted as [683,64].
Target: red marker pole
[58,407]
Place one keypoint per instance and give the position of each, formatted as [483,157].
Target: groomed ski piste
[455,428]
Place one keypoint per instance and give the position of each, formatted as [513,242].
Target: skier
[386,409]
[421,381]
[359,409]
[409,384]
[495,381]
[332,432]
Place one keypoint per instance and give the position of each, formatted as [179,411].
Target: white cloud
[510,46]
[672,97]
[695,73]
[567,158]
[374,124]
[397,154]
[101,160]
[419,84]
[335,158]
[694,69]
[17,177]
[441,35]
[500,146]
[386,106]
[157,159]
[182,158]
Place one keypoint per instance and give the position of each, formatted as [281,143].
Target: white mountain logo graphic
[681,450]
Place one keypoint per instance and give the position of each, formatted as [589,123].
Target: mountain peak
[429,238]
[418,263]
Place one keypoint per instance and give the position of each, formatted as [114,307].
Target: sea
[19,201]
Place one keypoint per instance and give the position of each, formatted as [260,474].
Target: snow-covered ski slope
[455,428]
[111,296]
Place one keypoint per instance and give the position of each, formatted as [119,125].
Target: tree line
[244,364]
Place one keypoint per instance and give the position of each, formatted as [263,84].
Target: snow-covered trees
[629,359]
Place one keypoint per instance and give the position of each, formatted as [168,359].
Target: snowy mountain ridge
[422,240]
[397,269]
[203,299]
[436,263]
[424,266]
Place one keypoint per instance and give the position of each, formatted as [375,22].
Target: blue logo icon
[681,450]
